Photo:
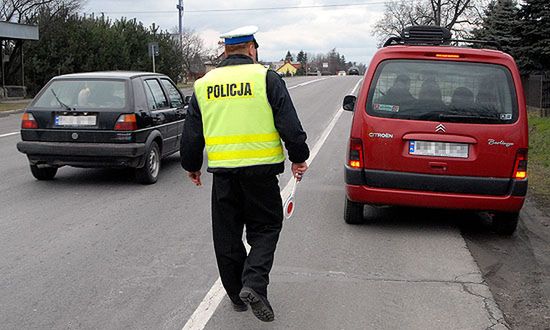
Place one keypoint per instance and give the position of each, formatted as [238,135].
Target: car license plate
[75,120]
[438,149]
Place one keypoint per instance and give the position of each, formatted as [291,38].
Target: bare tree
[22,11]
[459,16]
[192,51]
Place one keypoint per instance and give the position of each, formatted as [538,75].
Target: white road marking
[211,301]
[307,83]
[9,134]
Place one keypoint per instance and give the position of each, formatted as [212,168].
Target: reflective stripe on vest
[237,118]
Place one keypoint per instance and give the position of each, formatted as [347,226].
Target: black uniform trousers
[255,202]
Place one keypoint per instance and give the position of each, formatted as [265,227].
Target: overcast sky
[314,30]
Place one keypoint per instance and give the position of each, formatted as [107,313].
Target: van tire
[43,173]
[148,174]
[353,213]
[505,223]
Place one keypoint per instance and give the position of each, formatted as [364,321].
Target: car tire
[505,223]
[353,213]
[43,173]
[148,174]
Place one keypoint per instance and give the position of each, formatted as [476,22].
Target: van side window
[175,97]
[155,96]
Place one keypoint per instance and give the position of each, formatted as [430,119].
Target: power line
[247,9]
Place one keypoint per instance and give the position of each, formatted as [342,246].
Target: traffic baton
[289,205]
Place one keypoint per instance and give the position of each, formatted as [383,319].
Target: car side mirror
[349,102]
[187,99]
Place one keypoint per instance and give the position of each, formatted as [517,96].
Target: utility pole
[180,9]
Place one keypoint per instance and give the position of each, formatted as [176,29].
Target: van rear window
[443,91]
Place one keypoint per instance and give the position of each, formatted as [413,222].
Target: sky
[313,29]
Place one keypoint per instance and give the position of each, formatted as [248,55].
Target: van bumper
[435,191]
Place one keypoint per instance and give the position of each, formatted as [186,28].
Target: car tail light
[520,168]
[355,156]
[28,121]
[126,122]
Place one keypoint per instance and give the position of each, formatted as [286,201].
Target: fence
[537,93]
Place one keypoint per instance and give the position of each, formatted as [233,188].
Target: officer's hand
[298,170]
[195,177]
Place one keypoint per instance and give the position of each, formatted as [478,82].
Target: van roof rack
[430,35]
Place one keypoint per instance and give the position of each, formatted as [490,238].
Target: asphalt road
[94,250]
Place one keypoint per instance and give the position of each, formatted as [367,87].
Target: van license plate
[438,149]
[75,120]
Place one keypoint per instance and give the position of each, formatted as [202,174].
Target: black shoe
[260,305]
[238,304]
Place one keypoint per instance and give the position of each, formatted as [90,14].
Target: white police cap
[240,35]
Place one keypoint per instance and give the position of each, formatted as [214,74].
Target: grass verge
[539,157]
[12,106]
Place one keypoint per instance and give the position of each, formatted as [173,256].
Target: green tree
[289,57]
[501,23]
[534,48]
[302,58]
[71,43]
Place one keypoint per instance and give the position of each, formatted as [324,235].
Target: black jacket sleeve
[286,119]
[192,140]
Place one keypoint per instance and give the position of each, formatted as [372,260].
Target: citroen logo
[440,128]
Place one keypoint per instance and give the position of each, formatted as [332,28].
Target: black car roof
[109,75]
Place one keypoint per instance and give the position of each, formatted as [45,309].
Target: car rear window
[83,94]
[443,91]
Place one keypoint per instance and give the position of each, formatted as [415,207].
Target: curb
[10,112]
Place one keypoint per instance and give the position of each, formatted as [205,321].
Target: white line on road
[212,300]
[9,134]
[307,83]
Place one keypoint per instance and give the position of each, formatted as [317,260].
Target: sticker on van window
[506,116]
[386,107]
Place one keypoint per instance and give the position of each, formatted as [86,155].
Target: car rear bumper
[83,154]
[408,189]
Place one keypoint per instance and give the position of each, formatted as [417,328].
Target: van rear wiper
[61,103]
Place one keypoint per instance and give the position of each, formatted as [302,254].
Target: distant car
[341,73]
[353,71]
[438,126]
[103,119]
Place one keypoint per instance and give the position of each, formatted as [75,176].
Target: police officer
[240,111]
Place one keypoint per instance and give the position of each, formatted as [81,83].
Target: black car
[353,71]
[103,119]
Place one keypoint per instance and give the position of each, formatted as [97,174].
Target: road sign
[153,49]
[325,65]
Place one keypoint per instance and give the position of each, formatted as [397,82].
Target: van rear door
[443,118]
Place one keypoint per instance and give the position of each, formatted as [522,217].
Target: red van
[438,126]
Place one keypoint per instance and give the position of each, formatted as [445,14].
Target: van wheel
[148,174]
[43,173]
[353,212]
[505,223]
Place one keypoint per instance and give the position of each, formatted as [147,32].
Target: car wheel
[148,174]
[505,223]
[353,212]
[43,173]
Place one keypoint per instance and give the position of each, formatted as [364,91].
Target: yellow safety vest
[237,118]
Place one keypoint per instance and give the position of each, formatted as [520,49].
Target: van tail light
[28,121]
[355,156]
[520,167]
[126,122]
